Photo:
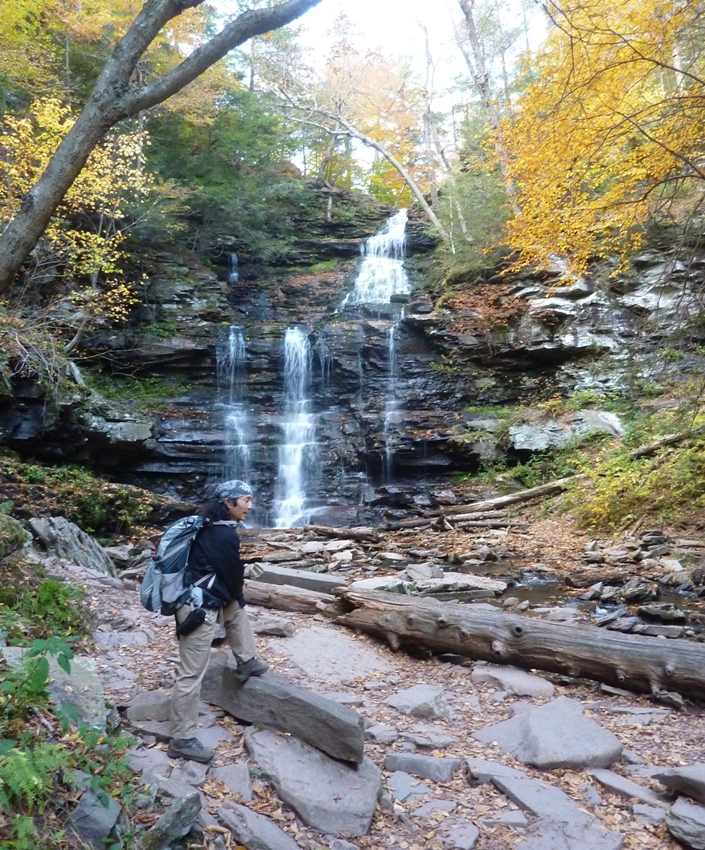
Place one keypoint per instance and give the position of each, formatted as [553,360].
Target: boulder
[426,701]
[554,735]
[427,767]
[80,689]
[686,823]
[328,795]
[512,680]
[689,780]
[66,540]
[270,700]
[176,822]
[93,820]
[254,831]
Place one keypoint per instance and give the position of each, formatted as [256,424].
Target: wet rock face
[499,342]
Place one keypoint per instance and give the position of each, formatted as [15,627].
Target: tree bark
[364,533]
[283,597]
[634,662]
[115,98]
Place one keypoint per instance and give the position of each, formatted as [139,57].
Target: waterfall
[381,276]
[233,274]
[232,360]
[391,403]
[382,273]
[297,454]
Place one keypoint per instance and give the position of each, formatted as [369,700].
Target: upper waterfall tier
[382,272]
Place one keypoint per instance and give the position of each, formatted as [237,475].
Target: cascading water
[381,276]
[297,454]
[232,362]
[382,273]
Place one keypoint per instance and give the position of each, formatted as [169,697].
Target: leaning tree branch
[350,130]
[114,98]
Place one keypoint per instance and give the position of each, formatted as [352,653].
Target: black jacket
[216,549]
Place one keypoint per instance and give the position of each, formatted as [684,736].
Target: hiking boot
[251,667]
[189,748]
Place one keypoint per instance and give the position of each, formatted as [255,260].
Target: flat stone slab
[626,788]
[252,830]
[542,799]
[328,795]
[686,823]
[270,700]
[512,680]
[689,780]
[403,785]
[236,778]
[332,656]
[461,836]
[552,835]
[427,701]
[482,772]
[271,574]
[554,735]
[427,767]
[429,735]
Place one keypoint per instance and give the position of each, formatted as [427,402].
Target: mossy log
[635,662]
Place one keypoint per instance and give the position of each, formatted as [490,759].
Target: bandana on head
[232,490]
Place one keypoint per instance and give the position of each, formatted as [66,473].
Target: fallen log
[510,499]
[363,533]
[486,523]
[283,597]
[635,662]
[557,485]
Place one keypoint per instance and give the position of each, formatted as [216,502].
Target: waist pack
[163,588]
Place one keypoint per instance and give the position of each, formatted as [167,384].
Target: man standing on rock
[216,550]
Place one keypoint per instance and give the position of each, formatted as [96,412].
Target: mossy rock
[12,535]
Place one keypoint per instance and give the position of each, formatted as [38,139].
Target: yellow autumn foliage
[85,236]
[610,132]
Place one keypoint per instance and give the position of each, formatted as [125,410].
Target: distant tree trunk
[115,98]
[478,69]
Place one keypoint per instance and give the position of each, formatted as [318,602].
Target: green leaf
[64,662]
[40,674]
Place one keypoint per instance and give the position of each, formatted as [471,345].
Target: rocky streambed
[466,754]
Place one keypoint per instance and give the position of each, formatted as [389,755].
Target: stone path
[459,748]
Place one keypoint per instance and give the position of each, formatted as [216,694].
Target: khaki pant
[194,652]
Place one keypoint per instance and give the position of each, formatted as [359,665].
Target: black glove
[192,621]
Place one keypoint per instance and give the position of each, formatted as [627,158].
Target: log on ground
[287,598]
[635,662]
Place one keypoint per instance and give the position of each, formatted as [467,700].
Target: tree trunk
[639,663]
[478,69]
[114,98]
[283,597]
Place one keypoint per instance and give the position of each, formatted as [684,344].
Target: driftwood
[635,662]
[367,534]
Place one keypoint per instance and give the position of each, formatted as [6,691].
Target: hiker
[216,549]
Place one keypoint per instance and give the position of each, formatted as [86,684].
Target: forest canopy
[550,153]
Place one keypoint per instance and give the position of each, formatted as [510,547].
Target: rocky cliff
[490,340]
